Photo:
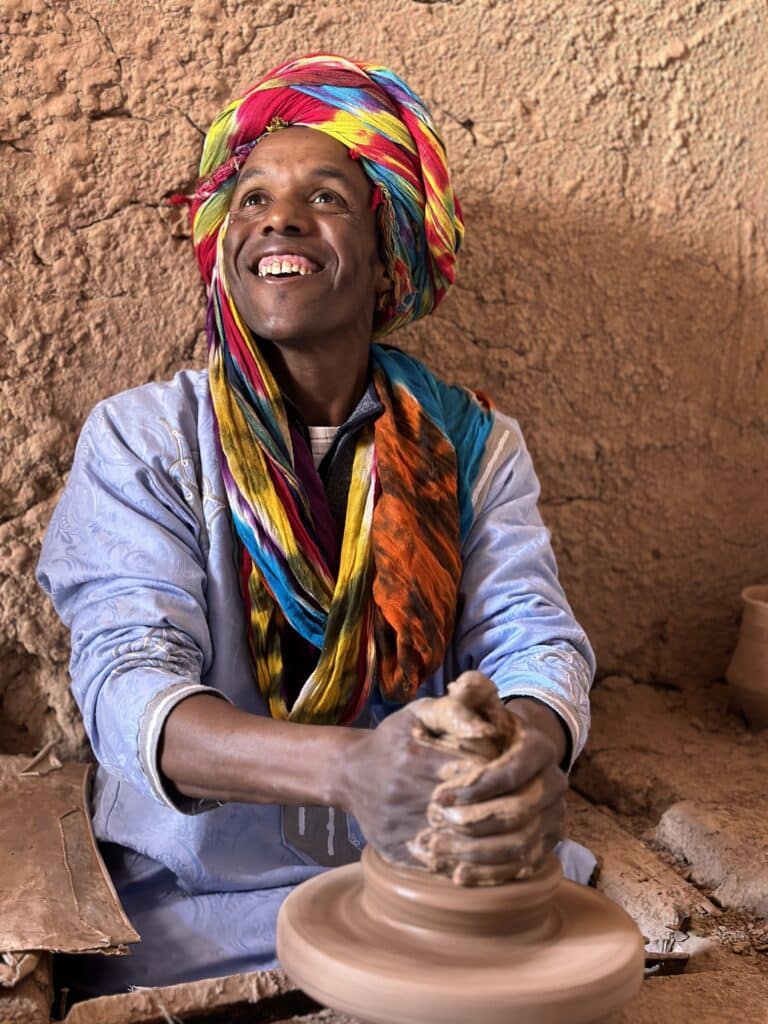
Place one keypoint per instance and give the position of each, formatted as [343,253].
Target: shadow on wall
[635,361]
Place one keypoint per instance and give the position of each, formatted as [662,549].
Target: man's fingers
[528,757]
[490,874]
[522,846]
[496,874]
[505,813]
[463,872]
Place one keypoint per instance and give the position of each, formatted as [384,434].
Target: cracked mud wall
[611,159]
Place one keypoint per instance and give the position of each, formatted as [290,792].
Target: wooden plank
[654,896]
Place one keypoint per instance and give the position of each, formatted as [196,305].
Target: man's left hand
[498,821]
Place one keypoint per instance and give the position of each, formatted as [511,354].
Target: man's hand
[497,818]
[389,780]
[502,821]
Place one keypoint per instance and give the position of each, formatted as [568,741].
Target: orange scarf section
[416,543]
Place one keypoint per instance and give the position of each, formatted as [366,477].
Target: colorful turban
[382,123]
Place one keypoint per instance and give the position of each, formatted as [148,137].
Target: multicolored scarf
[380,605]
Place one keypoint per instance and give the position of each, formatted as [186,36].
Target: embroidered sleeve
[515,623]
[123,564]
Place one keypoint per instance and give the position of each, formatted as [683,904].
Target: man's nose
[285,216]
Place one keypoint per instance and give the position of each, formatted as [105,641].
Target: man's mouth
[286,265]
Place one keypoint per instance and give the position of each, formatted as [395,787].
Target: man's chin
[285,336]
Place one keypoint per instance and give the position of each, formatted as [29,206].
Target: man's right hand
[389,779]
[385,777]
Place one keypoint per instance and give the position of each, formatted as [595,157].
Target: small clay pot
[747,672]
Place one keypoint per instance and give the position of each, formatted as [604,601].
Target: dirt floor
[683,774]
[670,794]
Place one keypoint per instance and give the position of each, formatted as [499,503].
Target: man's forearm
[213,750]
[542,717]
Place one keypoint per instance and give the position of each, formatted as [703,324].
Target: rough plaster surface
[612,163]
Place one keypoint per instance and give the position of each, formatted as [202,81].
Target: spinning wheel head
[393,945]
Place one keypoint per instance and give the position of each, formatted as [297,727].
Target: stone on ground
[661,903]
[725,848]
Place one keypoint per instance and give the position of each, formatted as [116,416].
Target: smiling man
[263,565]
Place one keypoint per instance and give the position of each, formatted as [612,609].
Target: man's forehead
[307,151]
[319,171]
[297,141]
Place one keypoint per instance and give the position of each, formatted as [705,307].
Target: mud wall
[612,162]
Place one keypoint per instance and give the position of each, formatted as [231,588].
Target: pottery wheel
[391,945]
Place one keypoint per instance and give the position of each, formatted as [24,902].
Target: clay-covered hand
[496,818]
[390,778]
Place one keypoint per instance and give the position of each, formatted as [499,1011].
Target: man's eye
[325,197]
[253,199]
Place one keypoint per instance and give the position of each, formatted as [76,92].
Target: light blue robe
[139,561]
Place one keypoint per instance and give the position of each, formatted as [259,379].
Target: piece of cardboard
[55,892]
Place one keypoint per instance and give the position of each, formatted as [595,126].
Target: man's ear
[382,281]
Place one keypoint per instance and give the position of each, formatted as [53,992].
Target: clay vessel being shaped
[748,669]
[393,945]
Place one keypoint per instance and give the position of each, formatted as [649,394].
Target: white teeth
[273,267]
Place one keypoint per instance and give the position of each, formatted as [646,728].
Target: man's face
[301,252]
